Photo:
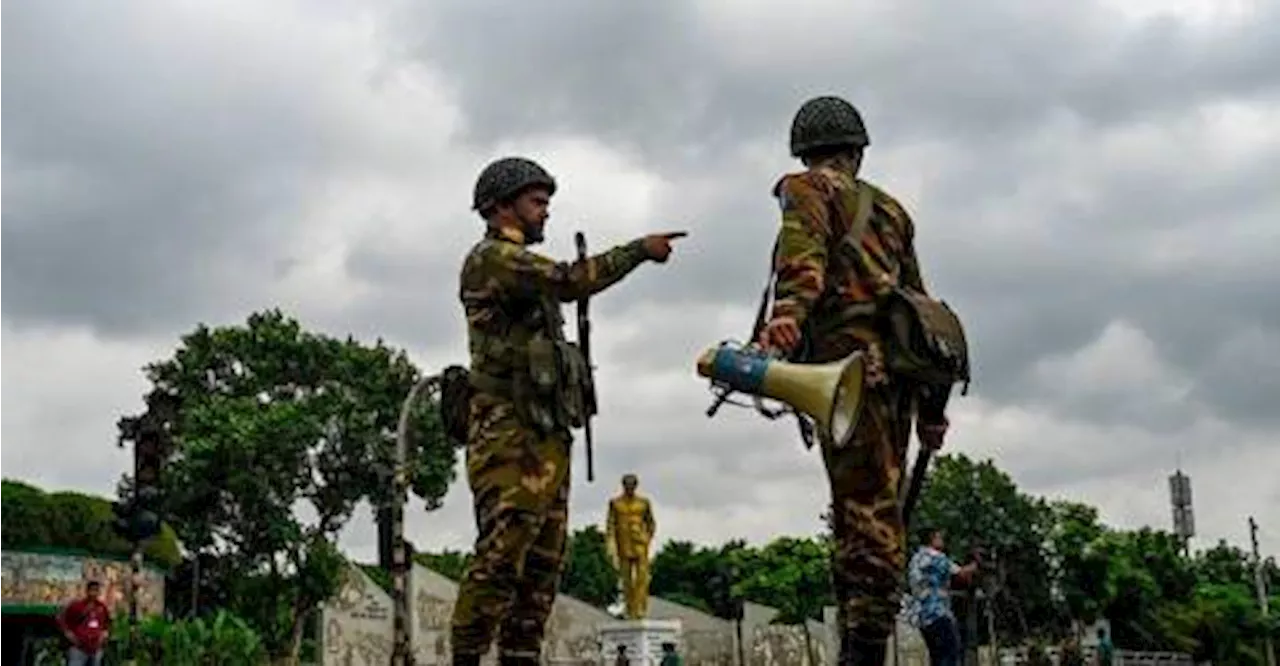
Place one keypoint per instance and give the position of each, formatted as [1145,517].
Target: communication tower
[1184,520]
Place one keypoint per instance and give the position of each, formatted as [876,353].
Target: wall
[356,625]
[45,580]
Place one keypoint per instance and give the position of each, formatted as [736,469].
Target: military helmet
[505,178]
[827,122]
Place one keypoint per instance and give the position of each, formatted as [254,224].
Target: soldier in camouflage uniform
[823,310]
[527,395]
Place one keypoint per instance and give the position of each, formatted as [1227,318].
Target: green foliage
[978,506]
[279,434]
[381,577]
[449,563]
[221,638]
[792,575]
[35,519]
[694,575]
[588,574]
[1078,565]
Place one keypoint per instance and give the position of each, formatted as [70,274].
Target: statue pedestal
[643,638]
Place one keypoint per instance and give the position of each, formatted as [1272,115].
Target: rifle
[584,343]
[918,472]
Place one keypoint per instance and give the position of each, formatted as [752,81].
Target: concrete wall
[357,628]
[357,624]
[36,581]
[570,633]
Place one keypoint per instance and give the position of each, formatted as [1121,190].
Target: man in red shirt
[86,622]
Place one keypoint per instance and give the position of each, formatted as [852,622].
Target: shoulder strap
[861,217]
[862,214]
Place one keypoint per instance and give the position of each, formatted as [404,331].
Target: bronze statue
[628,533]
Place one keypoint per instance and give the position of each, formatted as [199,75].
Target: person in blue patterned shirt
[929,575]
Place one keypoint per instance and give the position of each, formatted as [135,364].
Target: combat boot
[855,651]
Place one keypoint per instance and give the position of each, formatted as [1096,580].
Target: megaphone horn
[829,393]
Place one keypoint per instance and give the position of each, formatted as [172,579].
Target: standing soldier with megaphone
[848,281]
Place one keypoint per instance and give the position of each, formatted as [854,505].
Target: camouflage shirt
[822,283]
[504,286]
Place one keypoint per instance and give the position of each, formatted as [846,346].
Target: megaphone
[829,393]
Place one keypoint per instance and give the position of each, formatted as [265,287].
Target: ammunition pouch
[554,393]
[558,371]
[455,403]
[924,340]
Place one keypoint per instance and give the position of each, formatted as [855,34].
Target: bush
[215,641]
[221,638]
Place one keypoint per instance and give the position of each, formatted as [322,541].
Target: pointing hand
[658,246]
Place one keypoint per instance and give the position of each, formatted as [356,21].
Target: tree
[792,575]
[278,434]
[589,575]
[694,575]
[979,506]
[36,519]
[1079,566]
[1220,623]
[451,564]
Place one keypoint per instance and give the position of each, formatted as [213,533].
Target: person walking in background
[669,655]
[929,574]
[86,623]
[1106,651]
[1069,652]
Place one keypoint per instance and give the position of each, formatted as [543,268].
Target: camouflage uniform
[518,472]
[830,291]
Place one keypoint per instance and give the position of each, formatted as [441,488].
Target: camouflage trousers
[868,557]
[520,485]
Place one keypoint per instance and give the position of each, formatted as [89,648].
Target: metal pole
[135,573]
[135,563]
[1260,582]
[195,586]
[742,649]
[402,646]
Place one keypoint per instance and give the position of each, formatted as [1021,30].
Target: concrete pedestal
[643,638]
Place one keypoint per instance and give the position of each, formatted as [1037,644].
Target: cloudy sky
[1089,182]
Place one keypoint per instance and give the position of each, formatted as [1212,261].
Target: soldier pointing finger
[528,393]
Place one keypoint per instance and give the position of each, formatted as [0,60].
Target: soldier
[527,394]
[824,303]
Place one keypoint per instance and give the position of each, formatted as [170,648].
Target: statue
[628,533]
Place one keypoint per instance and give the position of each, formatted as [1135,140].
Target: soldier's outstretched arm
[801,262]
[517,269]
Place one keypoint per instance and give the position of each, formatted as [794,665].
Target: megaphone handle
[722,398]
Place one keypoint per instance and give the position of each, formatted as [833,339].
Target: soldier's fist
[658,246]
[781,333]
[932,434]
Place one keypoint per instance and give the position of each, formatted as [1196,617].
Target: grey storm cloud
[981,85]
[1064,165]
[151,175]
